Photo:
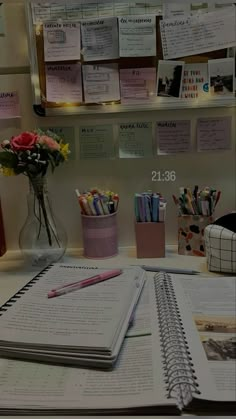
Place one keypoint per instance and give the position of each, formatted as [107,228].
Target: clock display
[163,176]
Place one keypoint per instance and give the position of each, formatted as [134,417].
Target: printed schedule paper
[101,83]
[9,105]
[135,140]
[137,85]
[173,136]
[137,36]
[100,39]
[214,133]
[61,41]
[63,83]
[96,142]
[190,35]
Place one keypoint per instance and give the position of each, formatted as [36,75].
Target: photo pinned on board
[169,78]
[221,76]
[231,53]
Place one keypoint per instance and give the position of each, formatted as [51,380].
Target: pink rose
[24,141]
[48,142]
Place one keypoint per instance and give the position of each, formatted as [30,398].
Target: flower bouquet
[32,154]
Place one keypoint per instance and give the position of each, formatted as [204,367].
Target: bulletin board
[133,66]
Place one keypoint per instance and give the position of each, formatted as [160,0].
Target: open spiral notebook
[85,327]
[179,354]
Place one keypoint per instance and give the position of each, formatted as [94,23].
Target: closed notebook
[85,327]
[179,355]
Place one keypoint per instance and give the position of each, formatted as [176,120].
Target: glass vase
[43,239]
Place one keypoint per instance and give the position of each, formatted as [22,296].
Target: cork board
[123,63]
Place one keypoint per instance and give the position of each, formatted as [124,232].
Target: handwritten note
[135,140]
[137,85]
[195,81]
[67,134]
[61,41]
[96,142]
[137,36]
[214,133]
[199,33]
[100,39]
[63,83]
[101,83]
[9,105]
[173,136]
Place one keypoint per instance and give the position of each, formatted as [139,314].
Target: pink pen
[84,283]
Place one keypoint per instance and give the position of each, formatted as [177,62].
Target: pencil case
[220,239]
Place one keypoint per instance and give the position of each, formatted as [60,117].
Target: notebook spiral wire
[178,366]
[22,291]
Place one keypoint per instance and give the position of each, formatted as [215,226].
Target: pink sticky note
[137,85]
[63,82]
[9,105]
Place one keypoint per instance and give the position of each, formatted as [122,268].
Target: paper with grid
[85,9]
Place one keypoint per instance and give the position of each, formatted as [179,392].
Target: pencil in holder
[100,236]
[150,239]
[191,234]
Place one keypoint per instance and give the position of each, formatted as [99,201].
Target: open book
[179,354]
[86,327]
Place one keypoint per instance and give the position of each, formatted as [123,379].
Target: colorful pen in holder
[150,211]
[196,209]
[99,223]
[197,202]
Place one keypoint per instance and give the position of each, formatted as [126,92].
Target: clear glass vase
[43,239]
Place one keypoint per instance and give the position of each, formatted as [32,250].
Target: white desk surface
[14,274]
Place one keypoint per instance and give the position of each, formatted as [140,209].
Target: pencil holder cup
[100,237]
[191,234]
[150,239]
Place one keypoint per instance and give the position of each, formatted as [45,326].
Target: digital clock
[163,176]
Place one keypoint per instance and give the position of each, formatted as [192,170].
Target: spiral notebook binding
[178,365]
[22,291]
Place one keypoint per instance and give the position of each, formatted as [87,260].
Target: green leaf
[52,162]
[8,160]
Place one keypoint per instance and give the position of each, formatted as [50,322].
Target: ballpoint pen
[170,270]
[74,286]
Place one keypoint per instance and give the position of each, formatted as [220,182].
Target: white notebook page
[210,331]
[137,379]
[87,317]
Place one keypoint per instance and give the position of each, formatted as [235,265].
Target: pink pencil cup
[150,240]
[100,237]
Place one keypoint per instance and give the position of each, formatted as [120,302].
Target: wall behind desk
[125,176]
